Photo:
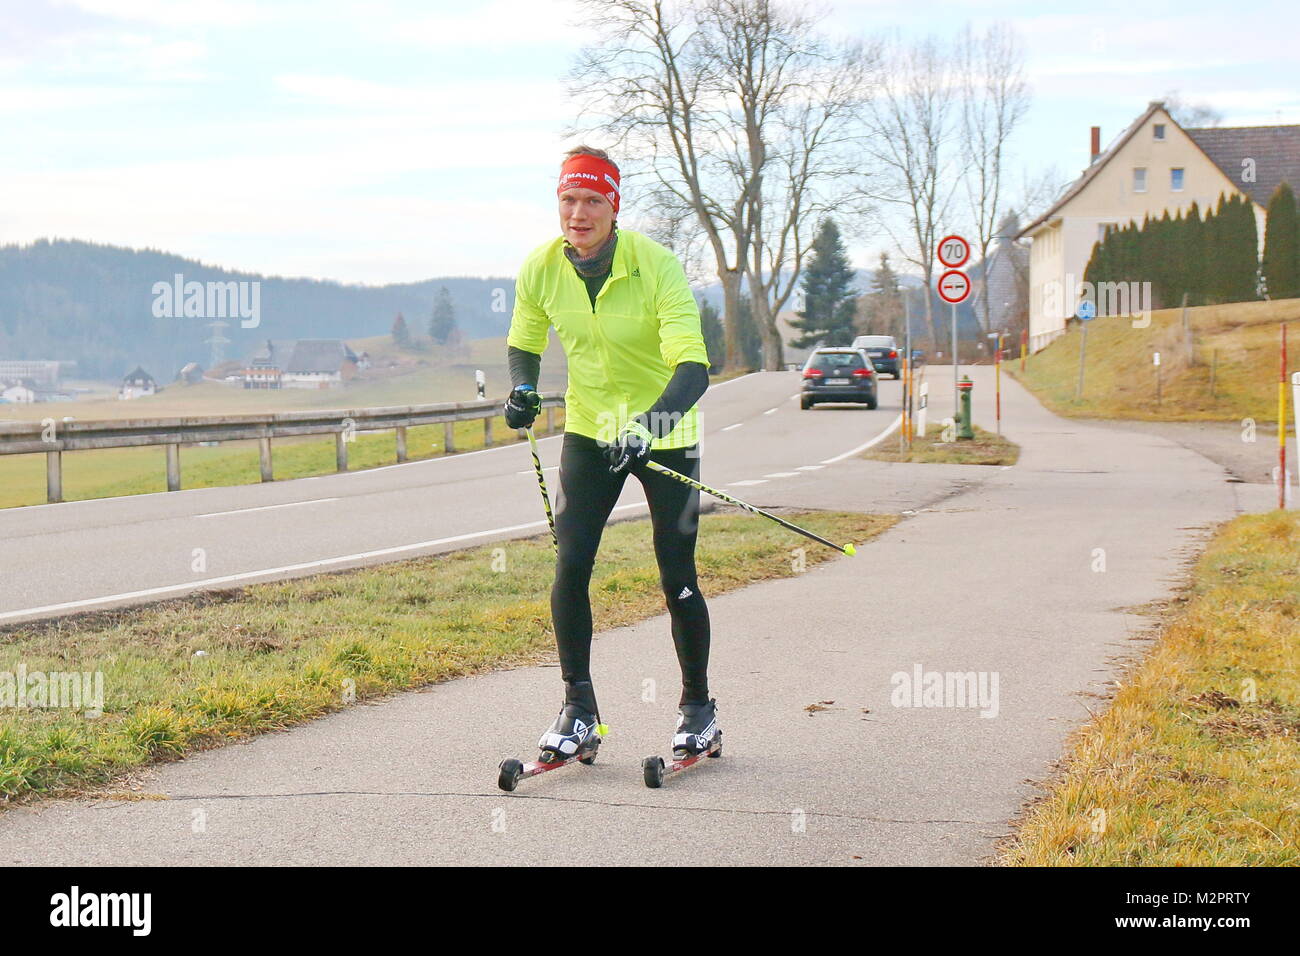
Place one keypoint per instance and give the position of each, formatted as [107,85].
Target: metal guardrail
[52,437]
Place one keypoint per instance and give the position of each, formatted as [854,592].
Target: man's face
[586,218]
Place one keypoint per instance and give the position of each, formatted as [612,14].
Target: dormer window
[1159,131]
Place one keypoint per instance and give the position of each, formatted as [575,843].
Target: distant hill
[66,299]
[92,303]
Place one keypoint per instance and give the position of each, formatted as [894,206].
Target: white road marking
[730,427]
[248,575]
[749,481]
[288,504]
[771,411]
[810,467]
[533,471]
[731,380]
[783,474]
[868,444]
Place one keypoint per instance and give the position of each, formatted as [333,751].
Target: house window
[1139,179]
[1102,228]
[1176,180]
[1159,130]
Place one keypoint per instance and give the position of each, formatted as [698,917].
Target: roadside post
[1024,347]
[1281,425]
[954,287]
[997,379]
[1155,359]
[1086,312]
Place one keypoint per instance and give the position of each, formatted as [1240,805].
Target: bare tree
[650,84]
[914,127]
[737,113]
[1191,115]
[801,100]
[994,99]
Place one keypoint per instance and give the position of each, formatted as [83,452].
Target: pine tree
[882,308]
[715,342]
[1241,252]
[1192,261]
[827,283]
[1282,245]
[444,317]
[401,334]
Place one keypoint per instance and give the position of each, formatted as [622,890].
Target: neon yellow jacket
[622,353]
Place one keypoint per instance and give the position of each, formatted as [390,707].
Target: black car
[838,375]
[884,352]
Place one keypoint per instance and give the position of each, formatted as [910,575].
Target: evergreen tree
[882,308]
[444,317]
[1282,246]
[827,284]
[401,334]
[1240,249]
[715,342]
[1192,265]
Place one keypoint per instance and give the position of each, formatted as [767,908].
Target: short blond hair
[584,150]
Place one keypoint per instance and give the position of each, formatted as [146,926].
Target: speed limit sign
[953,251]
[954,286]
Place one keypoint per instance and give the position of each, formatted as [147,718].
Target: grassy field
[416,378]
[986,448]
[1197,760]
[132,471]
[278,654]
[1240,340]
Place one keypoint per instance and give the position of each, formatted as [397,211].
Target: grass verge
[1229,372]
[282,653]
[1197,760]
[986,448]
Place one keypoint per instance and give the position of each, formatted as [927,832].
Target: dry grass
[1197,760]
[1241,340]
[986,448]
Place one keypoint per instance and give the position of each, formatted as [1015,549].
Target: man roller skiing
[630,328]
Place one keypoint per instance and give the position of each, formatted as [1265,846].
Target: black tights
[587,495]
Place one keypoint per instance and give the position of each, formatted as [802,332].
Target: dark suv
[838,375]
[884,352]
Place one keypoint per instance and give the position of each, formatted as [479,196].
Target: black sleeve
[525,367]
[690,380]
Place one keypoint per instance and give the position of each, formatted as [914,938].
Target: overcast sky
[387,140]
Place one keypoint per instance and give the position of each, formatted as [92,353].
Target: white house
[1153,166]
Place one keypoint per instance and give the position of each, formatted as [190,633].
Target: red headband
[590,172]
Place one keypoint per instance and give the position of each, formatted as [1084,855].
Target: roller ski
[698,736]
[574,736]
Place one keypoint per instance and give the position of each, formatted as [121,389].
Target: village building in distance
[302,363]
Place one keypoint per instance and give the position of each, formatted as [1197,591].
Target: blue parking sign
[1086,311]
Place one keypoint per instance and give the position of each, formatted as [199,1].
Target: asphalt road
[98,553]
[1029,576]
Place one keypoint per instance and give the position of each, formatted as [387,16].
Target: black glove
[631,450]
[522,406]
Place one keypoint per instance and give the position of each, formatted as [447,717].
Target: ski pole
[541,482]
[846,549]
